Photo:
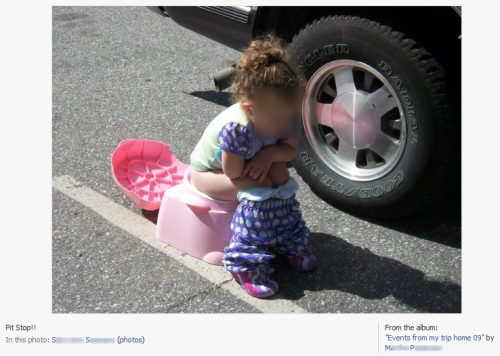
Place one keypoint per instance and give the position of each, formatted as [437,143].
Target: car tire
[377,171]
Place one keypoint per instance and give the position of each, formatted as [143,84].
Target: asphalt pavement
[126,72]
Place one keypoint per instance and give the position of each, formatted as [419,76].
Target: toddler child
[242,155]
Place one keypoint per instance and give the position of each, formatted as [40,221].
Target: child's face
[271,112]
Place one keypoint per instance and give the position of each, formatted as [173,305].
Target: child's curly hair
[264,64]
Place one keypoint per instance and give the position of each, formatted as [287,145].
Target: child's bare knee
[267,182]
[279,174]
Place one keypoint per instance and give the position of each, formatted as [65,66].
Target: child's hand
[258,167]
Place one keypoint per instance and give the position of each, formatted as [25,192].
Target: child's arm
[232,164]
[259,165]
[235,142]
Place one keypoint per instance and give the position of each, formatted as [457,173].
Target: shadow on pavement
[223,98]
[151,215]
[354,270]
[441,223]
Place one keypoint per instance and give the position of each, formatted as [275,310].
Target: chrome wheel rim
[354,120]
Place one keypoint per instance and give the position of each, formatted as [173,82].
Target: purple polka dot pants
[259,225]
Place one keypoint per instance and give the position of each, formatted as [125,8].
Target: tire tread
[435,78]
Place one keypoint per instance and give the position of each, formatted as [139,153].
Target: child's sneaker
[304,262]
[256,284]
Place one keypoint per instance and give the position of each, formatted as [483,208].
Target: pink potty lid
[144,169]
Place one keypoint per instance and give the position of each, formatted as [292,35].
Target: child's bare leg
[217,185]
[278,173]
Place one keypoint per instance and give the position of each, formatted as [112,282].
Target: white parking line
[145,230]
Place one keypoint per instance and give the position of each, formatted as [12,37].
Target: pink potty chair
[195,223]
[144,170]
[149,174]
